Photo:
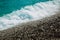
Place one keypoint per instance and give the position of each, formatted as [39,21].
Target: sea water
[26,13]
[7,6]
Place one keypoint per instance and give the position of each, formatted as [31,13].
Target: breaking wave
[28,13]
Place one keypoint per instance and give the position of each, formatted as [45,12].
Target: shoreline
[25,29]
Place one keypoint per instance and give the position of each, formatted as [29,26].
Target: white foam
[28,13]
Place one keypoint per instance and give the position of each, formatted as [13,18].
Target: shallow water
[7,6]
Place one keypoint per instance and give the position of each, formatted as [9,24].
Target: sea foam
[31,12]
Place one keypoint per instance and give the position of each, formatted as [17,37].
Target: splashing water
[30,12]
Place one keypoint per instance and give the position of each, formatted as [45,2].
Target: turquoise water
[7,6]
